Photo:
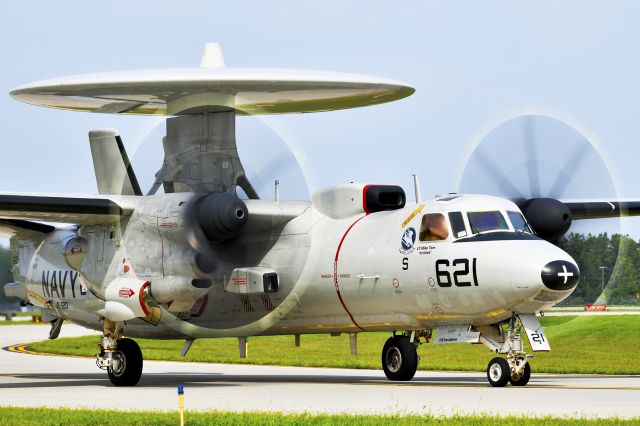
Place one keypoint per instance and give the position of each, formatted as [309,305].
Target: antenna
[212,56]
[276,187]
[416,188]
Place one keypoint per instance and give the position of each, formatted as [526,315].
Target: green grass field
[20,314]
[63,417]
[580,344]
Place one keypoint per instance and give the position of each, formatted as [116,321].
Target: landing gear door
[535,333]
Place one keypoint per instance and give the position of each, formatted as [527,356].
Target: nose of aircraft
[560,275]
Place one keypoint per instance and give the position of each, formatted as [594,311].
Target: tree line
[609,263]
[5,277]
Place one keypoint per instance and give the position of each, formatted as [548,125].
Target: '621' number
[459,270]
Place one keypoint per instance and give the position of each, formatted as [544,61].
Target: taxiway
[55,381]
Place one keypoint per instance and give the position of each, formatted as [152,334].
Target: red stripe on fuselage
[335,274]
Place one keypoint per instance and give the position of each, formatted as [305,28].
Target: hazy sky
[474,65]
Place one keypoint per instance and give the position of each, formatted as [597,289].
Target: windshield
[457,224]
[487,221]
[518,222]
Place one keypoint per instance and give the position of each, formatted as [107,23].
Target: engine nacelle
[548,217]
[344,201]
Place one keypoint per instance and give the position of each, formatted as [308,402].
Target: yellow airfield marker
[181,403]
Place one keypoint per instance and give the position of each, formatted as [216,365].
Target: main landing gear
[400,357]
[121,357]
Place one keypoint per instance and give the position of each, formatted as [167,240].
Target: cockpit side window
[433,227]
[457,225]
[518,222]
[487,221]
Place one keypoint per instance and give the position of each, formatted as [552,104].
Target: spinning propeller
[537,161]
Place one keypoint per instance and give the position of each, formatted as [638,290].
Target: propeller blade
[571,166]
[530,146]
[492,171]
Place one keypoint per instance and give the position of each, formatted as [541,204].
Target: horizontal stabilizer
[114,173]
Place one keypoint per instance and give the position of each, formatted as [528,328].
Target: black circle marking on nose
[560,275]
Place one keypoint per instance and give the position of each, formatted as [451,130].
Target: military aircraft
[198,261]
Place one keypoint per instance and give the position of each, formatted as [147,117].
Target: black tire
[128,368]
[524,379]
[498,372]
[399,359]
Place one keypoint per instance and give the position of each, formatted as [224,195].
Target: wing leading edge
[601,209]
[62,208]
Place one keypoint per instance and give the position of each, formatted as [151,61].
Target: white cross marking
[565,274]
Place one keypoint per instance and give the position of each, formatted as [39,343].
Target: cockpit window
[518,222]
[433,227]
[457,224]
[487,221]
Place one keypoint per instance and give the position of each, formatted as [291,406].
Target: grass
[580,344]
[39,416]
[30,314]
[13,322]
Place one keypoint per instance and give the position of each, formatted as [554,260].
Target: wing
[600,209]
[17,211]
[11,227]
[23,208]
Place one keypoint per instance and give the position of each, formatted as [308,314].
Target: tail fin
[114,173]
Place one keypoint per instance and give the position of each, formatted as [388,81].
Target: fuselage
[454,260]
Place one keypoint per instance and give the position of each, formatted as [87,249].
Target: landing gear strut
[515,369]
[121,358]
[400,358]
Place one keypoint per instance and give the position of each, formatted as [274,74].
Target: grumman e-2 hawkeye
[197,261]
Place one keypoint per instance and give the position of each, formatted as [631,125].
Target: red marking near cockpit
[335,274]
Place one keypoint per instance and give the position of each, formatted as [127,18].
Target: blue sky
[474,65]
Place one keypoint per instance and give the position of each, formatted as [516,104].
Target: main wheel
[498,372]
[524,379]
[399,358]
[127,364]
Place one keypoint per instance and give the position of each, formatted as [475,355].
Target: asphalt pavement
[57,381]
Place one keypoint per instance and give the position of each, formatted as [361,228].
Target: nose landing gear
[500,372]
[515,369]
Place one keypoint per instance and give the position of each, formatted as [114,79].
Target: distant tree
[623,284]
[619,254]
[6,303]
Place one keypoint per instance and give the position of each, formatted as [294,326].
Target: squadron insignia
[407,241]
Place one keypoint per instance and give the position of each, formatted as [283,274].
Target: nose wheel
[399,358]
[515,368]
[499,373]
[521,376]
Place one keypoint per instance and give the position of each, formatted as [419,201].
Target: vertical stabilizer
[114,173]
